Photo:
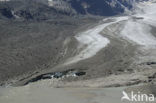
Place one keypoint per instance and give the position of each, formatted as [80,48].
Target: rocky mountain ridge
[48,9]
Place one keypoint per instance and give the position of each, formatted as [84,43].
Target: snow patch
[148,11]
[138,33]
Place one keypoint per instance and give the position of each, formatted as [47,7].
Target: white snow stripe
[94,41]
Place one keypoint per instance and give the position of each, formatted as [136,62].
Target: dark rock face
[28,10]
[6,12]
[101,7]
[42,10]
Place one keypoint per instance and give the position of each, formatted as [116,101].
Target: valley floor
[117,52]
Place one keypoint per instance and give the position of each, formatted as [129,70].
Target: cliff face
[27,10]
[98,7]
[101,7]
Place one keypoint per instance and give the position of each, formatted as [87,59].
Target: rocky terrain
[32,36]
[43,41]
[119,51]
[74,44]
[44,9]
[38,35]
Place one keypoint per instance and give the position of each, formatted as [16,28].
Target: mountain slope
[47,9]
[28,10]
[100,7]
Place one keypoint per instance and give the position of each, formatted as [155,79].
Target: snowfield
[139,31]
[149,13]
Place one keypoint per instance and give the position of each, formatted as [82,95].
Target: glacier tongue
[93,41]
[136,30]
